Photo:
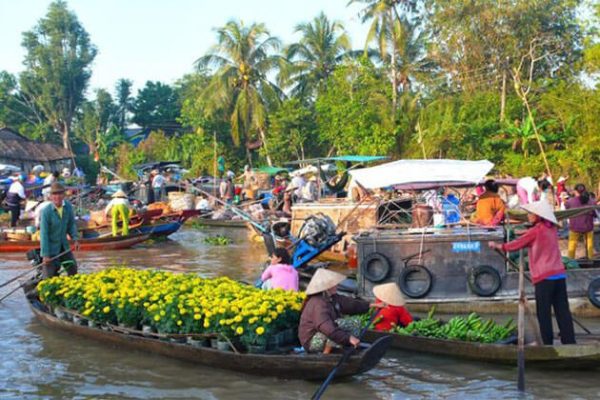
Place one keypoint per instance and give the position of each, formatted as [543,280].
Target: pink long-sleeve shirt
[282,276]
[544,254]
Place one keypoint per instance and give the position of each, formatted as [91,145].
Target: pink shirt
[282,277]
[544,254]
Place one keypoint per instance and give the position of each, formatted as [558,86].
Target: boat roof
[155,165]
[271,170]
[410,172]
[349,158]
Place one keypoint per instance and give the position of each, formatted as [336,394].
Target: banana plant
[523,134]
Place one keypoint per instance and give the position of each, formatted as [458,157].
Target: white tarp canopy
[422,171]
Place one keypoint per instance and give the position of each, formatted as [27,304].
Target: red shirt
[391,316]
[544,254]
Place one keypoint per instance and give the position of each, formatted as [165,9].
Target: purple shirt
[282,277]
[582,223]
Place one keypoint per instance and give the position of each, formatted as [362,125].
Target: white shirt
[298,182]
[17,187]
[47,182]
[530,186]
[114,202]
[158,181]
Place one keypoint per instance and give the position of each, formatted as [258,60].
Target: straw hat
[56,188]
[322,280]
[389,293]
[120,193]
[561,179]
[542,209]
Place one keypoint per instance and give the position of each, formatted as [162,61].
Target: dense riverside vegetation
[516,83]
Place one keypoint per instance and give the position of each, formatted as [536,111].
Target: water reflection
[38,363]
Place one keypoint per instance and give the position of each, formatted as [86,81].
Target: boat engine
[317,229]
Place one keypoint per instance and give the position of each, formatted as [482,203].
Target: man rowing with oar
[57,220]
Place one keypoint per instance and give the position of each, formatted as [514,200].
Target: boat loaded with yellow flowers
[215,322]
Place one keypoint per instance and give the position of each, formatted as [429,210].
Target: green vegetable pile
[218,240]
[471,329]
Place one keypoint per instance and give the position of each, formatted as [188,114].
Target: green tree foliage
[293,134]
[243,57]
[124,102]
[157,106]
[58,67]
[353,111]
[322,46]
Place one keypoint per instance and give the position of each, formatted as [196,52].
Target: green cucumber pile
[471,329]
[218,240]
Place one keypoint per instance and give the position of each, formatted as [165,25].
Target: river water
[38,363]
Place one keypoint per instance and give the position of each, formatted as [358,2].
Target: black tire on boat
[594,292]
[484,272]
[407,276]
[375,267]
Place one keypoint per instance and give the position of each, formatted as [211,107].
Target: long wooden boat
[584,354]
[298,366]
[96,244]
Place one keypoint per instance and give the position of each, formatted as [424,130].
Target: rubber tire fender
[403,278]
[371,276]
[478,271]
[593,289]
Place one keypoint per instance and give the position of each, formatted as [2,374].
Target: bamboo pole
[521,326]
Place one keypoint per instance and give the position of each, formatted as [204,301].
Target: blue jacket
[54,229]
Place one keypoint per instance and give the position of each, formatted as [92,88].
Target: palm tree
[323,44]
[243,57]
[411,62]
[385,23]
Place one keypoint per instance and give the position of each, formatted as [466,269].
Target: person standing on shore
[56,222]
[547,270]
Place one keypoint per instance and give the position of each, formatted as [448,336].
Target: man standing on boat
[56,222]
[14,197]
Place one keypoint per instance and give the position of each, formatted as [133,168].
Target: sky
[157,40]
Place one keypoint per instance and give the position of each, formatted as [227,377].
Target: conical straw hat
[322,280]
[120,193]
[389,293]
[542,209]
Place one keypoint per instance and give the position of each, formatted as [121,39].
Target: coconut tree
[323,44]
[385,23]
[411,62]
[243,58]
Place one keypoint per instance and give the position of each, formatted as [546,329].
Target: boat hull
[303,366]
[98,244]
[585,354]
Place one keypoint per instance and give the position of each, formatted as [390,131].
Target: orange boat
[96,244]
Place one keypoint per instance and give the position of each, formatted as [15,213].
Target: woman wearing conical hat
[548,273]
[118,207]
[322,325]
[393,312]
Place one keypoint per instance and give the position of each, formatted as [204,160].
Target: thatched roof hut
[15,149]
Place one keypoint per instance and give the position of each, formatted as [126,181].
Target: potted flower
[255,339]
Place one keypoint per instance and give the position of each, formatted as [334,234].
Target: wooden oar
[511,262]
[347,352]
[32,269]
[521,328]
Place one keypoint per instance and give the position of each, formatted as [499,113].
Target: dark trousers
[15,212]
[67,260]
[552,294]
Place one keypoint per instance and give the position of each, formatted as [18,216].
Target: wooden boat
[299,366]
[95,244]
[584,354]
